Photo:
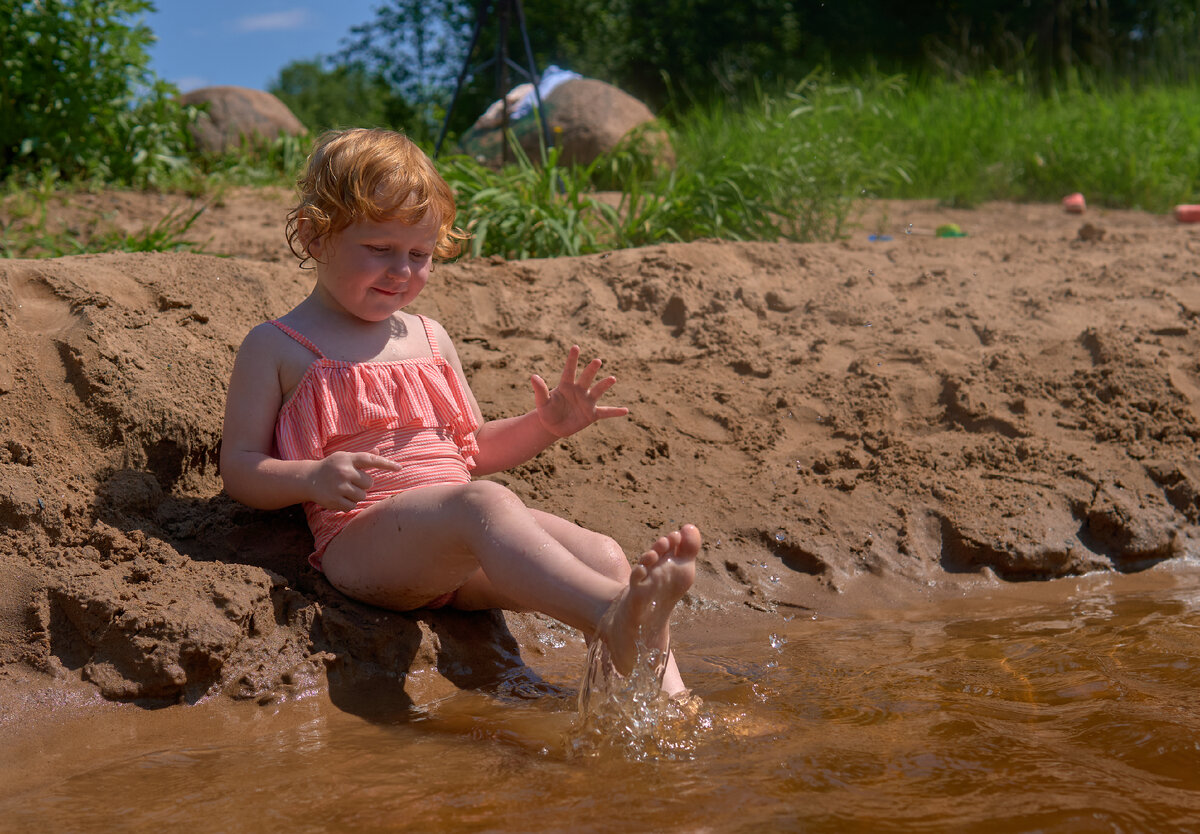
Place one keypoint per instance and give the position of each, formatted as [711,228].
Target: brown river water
[1066,706]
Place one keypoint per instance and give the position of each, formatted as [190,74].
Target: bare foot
[659,580]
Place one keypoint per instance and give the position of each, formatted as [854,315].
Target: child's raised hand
[571,406]
[341,479]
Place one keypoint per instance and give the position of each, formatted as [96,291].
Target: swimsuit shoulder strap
[299,338]
[430,337]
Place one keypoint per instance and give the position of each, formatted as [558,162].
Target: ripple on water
[1030,708]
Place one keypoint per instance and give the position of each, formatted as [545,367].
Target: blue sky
[246,42]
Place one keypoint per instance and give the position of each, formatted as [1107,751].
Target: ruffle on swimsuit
[413,411]
[336,398]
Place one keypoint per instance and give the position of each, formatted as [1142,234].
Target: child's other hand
[341,480]
[571,406]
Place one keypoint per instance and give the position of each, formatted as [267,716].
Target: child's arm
[251,473]
[570,407]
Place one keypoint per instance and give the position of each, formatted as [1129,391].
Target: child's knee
[614,564]
[484,497]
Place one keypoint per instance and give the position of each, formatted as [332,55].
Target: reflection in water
[1070,706]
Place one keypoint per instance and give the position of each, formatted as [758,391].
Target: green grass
[787,164]
[990,139]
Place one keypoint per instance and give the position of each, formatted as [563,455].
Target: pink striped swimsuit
[412,411]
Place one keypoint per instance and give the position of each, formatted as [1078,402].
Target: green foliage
[328,96]
[417,47]
[76,97]
[674,53]
[775,170]
[527,210]
[993,139]
[273,163]
[653,48]
[792,164]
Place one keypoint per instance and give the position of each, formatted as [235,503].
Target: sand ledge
[1023,400]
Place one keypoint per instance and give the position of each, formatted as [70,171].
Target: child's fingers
[589,373]
[366,460]
[541,391]
[598,390]
[603,412]
[568,374]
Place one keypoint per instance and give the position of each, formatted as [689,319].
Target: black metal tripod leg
[481,12]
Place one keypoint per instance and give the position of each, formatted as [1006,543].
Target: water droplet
[908,231]
[777,642]
[772,664]
[773,579]
[870,272]
[780,535]
[552,640]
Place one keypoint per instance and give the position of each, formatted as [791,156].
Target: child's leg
[597,551]
[407,550]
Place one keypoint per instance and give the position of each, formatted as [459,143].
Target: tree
[345,95]
[659,49]
[417,48]
[703,46]
[76,95]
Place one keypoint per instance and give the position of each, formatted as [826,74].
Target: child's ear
[306,234]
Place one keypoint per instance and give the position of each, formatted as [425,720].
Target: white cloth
[551,78]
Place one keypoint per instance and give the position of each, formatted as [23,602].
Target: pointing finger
[366,460]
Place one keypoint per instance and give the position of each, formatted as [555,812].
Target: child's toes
[649,559]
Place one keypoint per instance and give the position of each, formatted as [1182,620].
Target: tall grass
[528,209]
[770,171]
[992,139]
[788,163]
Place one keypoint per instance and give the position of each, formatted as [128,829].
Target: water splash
[630,714]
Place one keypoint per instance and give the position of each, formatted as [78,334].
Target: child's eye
[377,248]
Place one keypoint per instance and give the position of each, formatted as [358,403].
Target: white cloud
[273,21]
[191,82]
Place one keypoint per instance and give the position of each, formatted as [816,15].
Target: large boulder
[585,118]
[234,115]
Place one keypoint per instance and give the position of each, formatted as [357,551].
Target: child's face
[371,268]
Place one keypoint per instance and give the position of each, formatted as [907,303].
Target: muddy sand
[1021,403]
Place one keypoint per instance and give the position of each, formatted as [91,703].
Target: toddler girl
[360,411]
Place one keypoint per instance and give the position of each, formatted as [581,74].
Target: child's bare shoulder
[265,338]
[267,344]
